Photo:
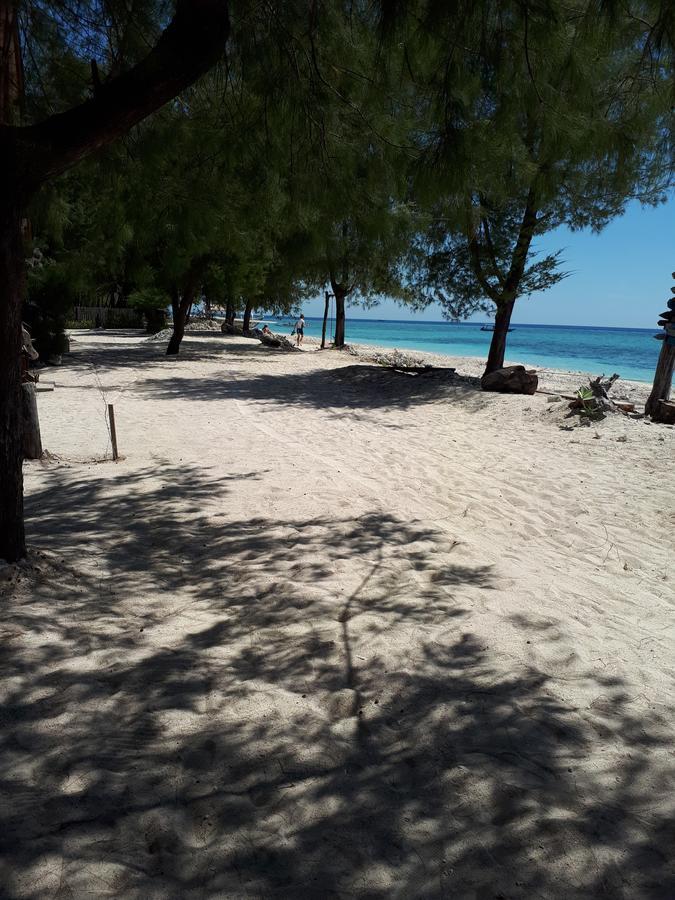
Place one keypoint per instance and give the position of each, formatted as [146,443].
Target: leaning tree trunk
[663,379]
[12,535]
[339,317]
[248,309]
[497,352]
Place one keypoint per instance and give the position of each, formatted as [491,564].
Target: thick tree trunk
[497,352]
[12,536]
[230,313]
[339,316]
[247,316]
[663,379]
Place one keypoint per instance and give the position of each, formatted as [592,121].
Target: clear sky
[620,277]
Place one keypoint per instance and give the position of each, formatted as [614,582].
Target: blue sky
[620,277]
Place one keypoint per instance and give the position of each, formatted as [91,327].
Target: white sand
[331,631]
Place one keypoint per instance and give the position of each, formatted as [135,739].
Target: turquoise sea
[632,352]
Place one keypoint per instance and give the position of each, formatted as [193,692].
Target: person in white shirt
[299,330]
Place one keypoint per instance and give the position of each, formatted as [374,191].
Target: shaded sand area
[330,631]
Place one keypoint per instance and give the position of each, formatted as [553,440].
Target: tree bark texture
[32,440]
[497,351]
[12,537]
[663,379]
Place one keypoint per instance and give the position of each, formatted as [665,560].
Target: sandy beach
[329,630]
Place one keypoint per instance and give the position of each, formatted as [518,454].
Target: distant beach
[632,352]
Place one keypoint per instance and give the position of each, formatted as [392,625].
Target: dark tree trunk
[247,316]
[663,379]
[180,316]
[12,536]
[325,319]
[230,313]
[497,352]
[339,292]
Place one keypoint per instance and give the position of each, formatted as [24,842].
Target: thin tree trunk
[339,292]
[325,320]
[497,352]
[12,535]
[247,316]
[663,379]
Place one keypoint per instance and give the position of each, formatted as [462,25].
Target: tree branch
[477,266]
[519,257]
[191,43]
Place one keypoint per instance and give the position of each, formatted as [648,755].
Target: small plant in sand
[587,405]
[592,402]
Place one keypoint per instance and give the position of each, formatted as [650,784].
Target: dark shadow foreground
[287,741]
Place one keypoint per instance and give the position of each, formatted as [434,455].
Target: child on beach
[299,330]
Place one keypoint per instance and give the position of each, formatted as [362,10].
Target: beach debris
[592,402]
[511,380]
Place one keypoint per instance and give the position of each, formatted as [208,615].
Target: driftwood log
[32,441]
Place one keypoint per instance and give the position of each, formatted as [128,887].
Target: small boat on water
[491,328]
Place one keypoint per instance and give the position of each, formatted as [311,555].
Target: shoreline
[550,379]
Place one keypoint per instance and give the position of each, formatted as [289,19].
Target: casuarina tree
[543,116]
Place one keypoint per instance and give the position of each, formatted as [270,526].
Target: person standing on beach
[299,330]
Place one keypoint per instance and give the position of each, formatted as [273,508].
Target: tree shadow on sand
[202,708]
[349,389]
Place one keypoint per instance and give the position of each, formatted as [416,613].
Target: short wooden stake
[113,433]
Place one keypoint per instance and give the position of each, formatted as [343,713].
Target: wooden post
[113,432]
[32,440]
[663,377]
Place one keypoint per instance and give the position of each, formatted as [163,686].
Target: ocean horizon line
[485,322]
